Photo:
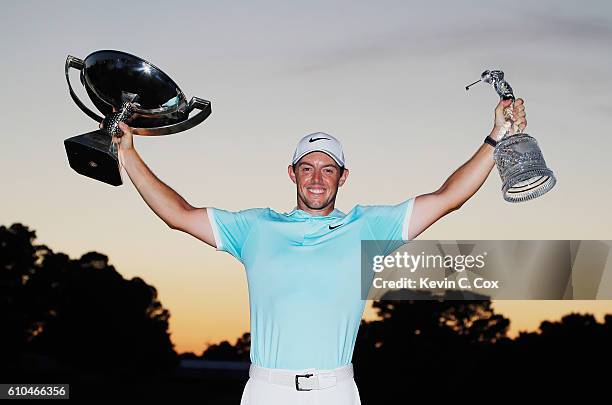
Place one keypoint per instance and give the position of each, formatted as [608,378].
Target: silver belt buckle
[297,383]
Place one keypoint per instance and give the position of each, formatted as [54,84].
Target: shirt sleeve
[390,223]
[231,229]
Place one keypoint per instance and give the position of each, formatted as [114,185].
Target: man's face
[317,177]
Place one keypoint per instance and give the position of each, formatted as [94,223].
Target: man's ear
[343,178]
[291,174]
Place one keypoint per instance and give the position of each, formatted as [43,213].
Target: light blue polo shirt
[304,278]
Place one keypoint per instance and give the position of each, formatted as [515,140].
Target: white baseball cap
[319,142]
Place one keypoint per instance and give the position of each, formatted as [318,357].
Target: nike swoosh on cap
[316,139]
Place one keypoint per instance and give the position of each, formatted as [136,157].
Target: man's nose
[317,176]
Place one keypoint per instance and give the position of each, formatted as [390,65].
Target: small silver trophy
[519,160]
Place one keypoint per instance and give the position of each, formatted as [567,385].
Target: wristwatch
[490,141]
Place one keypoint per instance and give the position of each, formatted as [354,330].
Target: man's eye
[329,171]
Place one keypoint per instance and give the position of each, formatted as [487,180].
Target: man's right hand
[125,139]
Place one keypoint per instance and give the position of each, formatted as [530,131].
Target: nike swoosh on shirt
[316,139]
[334,227]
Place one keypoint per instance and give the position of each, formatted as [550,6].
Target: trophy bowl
[522,168]
[125,88]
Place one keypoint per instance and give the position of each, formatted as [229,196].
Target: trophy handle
[509,116]
[505,92]
[76,63]
[194,103]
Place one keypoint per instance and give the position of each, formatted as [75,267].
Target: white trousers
[267,386]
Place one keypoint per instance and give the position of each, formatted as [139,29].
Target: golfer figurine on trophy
[519,160]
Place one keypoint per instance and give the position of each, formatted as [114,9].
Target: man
[303,267]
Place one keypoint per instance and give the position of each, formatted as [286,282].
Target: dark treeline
[80,321]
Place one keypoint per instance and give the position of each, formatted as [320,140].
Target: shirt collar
[298,213]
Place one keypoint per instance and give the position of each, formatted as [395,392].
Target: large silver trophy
[125,88]
[519,160]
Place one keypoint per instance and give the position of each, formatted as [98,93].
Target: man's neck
[314,212]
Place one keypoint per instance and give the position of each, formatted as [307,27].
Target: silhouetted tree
[82,311]
[226,351]
[570,346]
[188,356]
[427,333]
[20,310]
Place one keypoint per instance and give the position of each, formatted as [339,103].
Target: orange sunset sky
[387,78]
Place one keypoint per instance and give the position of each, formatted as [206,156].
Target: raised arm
[466,180]
[164,201]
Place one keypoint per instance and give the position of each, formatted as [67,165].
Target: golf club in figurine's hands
[518,157]
[125,88]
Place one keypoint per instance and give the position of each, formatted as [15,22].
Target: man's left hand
[504,113]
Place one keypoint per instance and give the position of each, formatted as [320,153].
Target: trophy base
[528,185]
[89,155]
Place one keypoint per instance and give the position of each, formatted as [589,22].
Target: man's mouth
[316,190]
